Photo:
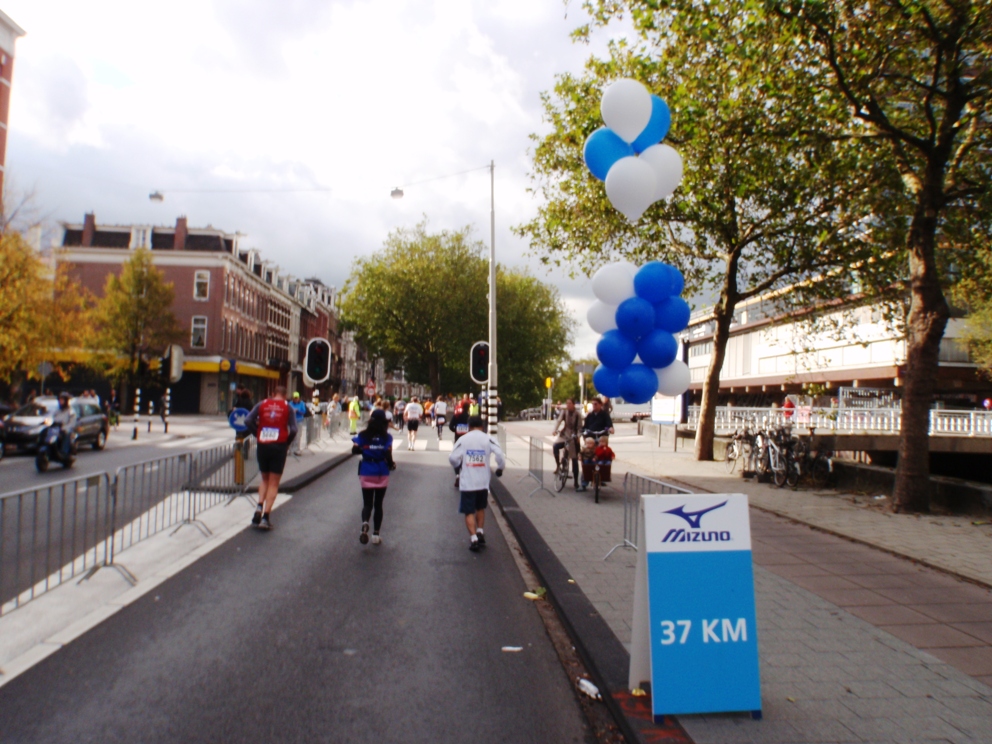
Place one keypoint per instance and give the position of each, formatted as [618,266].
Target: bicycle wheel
[819,473]
[779,475]
[561,474]
[731,457]
[792,474]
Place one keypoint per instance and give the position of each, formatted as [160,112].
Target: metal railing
[849,420]
[635,486]
[501,437]
[535,464]
[51,534]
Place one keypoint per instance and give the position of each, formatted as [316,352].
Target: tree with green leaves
[915,81]
[422,301]
[134,322]
[768,200]
[42,318]
[567,381]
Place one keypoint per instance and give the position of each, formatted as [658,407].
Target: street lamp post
[493,381]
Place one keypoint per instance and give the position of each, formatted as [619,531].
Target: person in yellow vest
[354,413]
[473,409]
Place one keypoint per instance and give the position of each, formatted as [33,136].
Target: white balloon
[674,379]
[613,284]
[667,164]
[602,317]
[631,186]
[626,108]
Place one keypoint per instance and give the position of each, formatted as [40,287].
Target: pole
[137,412]
[493,379]
[151,412]
[168,406]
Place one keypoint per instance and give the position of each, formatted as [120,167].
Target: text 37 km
[719,630]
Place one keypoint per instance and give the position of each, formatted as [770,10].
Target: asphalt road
[302,634]
[18,473]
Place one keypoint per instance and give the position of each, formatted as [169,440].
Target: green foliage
[567,381]
[42,319]
[422,301]
[133,320]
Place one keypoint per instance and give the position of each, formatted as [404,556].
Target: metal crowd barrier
[51,534]
[501,437]
[635,486]
[535,465]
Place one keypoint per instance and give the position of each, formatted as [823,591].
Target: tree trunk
[705,429]
[434,372]
[928,313]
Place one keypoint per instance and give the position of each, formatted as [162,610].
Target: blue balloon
[638,384]
[615,350]
[678,281]
[635,318]
[603,148]
[672,314]
[658,349]
[657,128]
[653,281]
[606,381]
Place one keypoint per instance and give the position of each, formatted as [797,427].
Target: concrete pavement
[902,660]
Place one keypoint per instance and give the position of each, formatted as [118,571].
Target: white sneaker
[376,540]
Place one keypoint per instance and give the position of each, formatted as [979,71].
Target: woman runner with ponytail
[375,445]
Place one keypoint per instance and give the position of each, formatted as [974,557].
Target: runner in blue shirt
[300,409]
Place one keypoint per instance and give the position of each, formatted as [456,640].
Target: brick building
[247,322]
[9,31]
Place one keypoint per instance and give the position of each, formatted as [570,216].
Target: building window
[198,338]
[201,285]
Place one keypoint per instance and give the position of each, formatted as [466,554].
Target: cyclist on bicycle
[597,423]
[570,424]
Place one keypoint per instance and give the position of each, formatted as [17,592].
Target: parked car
[640,415]
[25,425]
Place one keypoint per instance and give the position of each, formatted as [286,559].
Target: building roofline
[6,19]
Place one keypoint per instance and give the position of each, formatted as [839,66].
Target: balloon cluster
[626,153]
[638,310]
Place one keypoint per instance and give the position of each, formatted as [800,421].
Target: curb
[602,653]
[305,479]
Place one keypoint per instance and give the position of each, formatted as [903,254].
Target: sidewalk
[842,625]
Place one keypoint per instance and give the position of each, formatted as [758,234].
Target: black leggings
[368,496]
[556,450]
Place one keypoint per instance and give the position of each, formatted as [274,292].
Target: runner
[273,424]
[412,414]
[471,456]
[428,411]
[440,411]
[387,409]
[375,445]
[459,426]
[354,414]
[398,414]
[300,409]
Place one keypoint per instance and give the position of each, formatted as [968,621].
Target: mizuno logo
[693,517]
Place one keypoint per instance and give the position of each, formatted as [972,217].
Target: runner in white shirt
[398,414]
[440,416]
[412,414]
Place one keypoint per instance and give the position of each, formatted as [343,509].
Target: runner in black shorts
[273,424]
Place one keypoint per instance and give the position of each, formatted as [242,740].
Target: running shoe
[376,540]
[364,537]
[482,538]
[265,524]
[474,546]
[256,517]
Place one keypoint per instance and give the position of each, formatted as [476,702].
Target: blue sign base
[704,638]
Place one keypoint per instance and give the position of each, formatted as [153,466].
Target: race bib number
[268,434]
[475,458]
[461,428]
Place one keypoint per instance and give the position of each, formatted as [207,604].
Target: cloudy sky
[113,99]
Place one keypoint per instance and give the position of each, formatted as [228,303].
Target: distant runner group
[274,424]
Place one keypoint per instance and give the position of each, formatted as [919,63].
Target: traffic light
[479,362]
[318,360]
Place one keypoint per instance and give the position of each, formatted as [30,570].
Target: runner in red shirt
[273,424]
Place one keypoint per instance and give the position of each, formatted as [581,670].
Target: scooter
[50,448]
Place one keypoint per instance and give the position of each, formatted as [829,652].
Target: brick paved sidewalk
[847,680]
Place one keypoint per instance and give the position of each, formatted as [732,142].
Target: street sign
[547,382]
[694,616]
[370,389]
[44,370]
[237,419]
[585,369]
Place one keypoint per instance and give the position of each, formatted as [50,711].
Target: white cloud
[113,99]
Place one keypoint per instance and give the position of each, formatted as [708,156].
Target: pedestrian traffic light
[317,363]
[479,362]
